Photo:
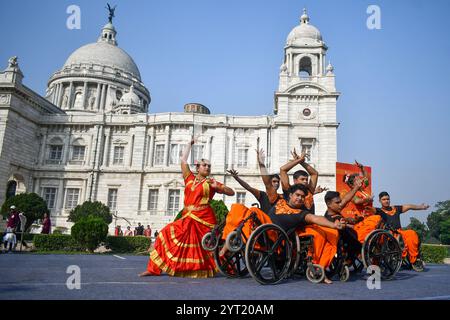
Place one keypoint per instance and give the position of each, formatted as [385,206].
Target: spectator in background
[118,231]
[156,234]
[148,232]
[13,219]
[128,232]
[139,230]
[46,224]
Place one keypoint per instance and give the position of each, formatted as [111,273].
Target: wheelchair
[232,263]
[273,255]
[417,266]
[380,248]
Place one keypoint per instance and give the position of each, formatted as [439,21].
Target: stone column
[105,97]
[151,148]
[321,64]
[70,100]
[67,146]
[43,148]
[60,94]
[55,93]
[108,144]
[102,97]
[85,96]
[98,95]
[60,200]
[167,148]
[130,158]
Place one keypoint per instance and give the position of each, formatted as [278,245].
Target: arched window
[78,104]
[305,68]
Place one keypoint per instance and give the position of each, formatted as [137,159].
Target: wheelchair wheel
[268,254]
[383,250]
[234,241]
[315,273]
[231,264]
[209,242]
[345,274]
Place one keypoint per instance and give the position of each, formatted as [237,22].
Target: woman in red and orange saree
[178,250]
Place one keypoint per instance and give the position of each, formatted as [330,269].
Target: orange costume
[368,223]
[239,212]
[325,239]
[391,216]
[178,250]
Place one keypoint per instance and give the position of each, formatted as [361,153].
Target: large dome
[304,31]
[104,54]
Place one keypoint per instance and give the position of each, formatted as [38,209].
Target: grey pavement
[104,277]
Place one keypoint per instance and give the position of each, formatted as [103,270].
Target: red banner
[343,171]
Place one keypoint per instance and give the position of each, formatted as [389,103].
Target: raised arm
[287,167]
[270,190]
[313,174]
[184,157]
[263,170]
[357,183]
[407,207]
[244,184]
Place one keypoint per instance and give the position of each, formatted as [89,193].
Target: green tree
[419,227]
[89,232]
[445,231]
[32,205]
[89,208]
[435,219]
[219,208]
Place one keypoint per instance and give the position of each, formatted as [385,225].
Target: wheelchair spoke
[261,263]
[273,266]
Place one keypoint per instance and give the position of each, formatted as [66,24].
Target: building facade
[92,136]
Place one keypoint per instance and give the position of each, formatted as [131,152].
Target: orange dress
[325,239]
[178,250]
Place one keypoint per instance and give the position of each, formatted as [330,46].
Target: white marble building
[92,136]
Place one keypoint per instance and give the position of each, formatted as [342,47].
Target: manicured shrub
[90,232]
[89,208]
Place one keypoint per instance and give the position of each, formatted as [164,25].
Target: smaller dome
[130,98]
[304,31]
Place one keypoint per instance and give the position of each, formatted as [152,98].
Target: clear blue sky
[394,109]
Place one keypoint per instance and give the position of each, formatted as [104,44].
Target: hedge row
[63,242]
[137,244]
[56,242]
[434,253]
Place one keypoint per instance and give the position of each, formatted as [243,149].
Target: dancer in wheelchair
[267,199]
[271,182]
[391,216]
[291,215]
[363,219]
[350,236]
[301,177]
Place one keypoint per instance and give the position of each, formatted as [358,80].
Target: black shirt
[264,202]
[288,221]
[391,216]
